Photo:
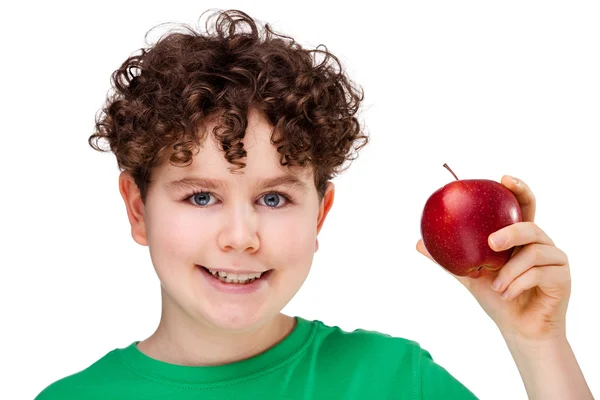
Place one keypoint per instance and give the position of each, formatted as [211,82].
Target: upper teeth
[239,277]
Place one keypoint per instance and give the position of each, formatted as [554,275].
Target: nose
[239,231]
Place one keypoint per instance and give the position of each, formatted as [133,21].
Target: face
[204,216]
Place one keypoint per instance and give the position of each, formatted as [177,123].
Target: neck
[183,341]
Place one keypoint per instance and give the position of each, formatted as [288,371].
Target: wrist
[528,351]
[549,340]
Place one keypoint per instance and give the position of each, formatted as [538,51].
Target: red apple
[458,219]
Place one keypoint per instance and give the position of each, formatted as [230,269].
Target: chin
[237,318]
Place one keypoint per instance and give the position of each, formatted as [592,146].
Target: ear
[135,207]
[324,208]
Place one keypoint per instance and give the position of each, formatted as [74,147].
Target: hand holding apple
[528,297]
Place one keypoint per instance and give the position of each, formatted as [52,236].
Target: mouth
[236,279]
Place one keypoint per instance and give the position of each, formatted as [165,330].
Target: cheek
[174,236]
[292,238]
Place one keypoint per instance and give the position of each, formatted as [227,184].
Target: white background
[490,88]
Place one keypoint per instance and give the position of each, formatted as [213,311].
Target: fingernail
[496,285]
[515,180]
[498,241]
[504,295]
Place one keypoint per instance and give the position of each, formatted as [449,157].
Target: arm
[549,370]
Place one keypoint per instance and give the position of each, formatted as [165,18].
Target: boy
[227,145]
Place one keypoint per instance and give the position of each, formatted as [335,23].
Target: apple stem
[448,168]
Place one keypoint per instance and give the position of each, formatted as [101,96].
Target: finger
[516,249]
[533,255]
[524,196]
[552,280]
[518,234]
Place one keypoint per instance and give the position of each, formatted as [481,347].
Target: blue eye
[272,199]
[201,199]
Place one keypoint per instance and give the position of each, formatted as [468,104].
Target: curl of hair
[163,97]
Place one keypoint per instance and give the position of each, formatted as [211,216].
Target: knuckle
[564,257]
[537,254]
[568,278]
[534,275]
[537,231]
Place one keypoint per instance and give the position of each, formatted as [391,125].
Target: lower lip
[235,288]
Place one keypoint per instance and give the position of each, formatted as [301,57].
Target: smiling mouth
[240,279]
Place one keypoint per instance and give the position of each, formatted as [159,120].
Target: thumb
[423,250]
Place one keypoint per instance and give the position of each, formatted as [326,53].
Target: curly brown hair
[164,95]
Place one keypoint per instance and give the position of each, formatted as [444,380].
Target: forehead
[262,159]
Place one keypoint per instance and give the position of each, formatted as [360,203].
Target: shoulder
[367,354]
[368,343]
[373,355]
[87,382]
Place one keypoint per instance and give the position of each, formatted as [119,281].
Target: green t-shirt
[314,361]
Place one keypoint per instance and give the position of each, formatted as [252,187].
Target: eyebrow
[190,182]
